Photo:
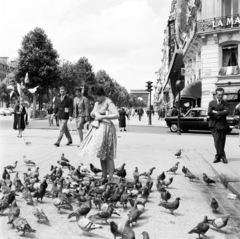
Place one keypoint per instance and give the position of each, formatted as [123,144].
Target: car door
[189,121]
[203,120]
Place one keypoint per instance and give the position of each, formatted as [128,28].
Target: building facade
[6,67]
[219,30]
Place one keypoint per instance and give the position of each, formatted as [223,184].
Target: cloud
[124,38]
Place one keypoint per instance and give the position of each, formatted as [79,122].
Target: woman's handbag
[95,124]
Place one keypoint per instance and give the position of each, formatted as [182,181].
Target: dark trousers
[219,136]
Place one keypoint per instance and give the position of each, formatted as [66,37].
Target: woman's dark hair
[97,90]
[78,89]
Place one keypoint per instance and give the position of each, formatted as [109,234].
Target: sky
[122,37]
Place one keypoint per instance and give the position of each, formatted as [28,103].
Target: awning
[192,91]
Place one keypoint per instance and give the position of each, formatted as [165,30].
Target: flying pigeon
[174,168]
[214,205]
[178,154]
[10,87]
[207,180]
[33,90]
[201,228]
[219,222]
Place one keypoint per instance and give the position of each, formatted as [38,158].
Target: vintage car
[6,111]
[198,119]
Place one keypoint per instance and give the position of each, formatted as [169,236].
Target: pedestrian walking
[101,140]
[26,115]
[19,122]
[64,108]
[80,111]
[140,113]
[55,99]
[49,114]
[122,119]
[218,110]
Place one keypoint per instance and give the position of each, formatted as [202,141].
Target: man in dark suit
[64,108]
[218,110]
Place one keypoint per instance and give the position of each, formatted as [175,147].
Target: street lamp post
[149,89]
[179,86]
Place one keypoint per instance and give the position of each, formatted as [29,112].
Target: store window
[230,7]
[230,55]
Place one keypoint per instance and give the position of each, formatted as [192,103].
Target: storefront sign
[226,22]
[218,23]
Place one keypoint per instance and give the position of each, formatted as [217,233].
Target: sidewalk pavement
[144,151]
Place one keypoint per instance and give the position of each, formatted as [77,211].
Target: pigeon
[149,172]
[178,154]
[191,176]
[165,195]
[174,168]
[94,169]
[27,142]
[128,232]
[219,222]
[5,174]
[63,163]
[64,159]
[161,177]
[39,213]
[121,168]
[214,205]
[33,90]
[145,235]
[22,225]
[167,182]
[83,210]
[116,229]
[136,174]
[86,225]
[26,195]
[83,169]
[4,203]
[121,174]
[185,170]
[201,228]
[171,206]
[57,202]
[11,166]
[207,180]
[14,211]
[40,193]
[28,161]
[104,215]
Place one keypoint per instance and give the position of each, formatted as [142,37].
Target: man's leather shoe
[70,142]
[224,160]
[56,144]
[216,160]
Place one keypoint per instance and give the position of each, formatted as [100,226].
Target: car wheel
[229,130]
[173,127]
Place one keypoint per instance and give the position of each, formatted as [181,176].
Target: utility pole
[149,89]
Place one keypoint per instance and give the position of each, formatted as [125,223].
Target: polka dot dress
[100,142]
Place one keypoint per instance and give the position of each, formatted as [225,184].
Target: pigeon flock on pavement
[84,189]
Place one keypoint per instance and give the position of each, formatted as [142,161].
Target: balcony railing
[219,23]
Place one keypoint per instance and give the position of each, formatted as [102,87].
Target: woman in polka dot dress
[101,140]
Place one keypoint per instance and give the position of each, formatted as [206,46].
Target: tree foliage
[39,59]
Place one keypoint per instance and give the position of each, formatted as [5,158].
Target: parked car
[5,111]
[198,119]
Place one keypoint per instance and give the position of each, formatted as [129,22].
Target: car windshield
[196,113]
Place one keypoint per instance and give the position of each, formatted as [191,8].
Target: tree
[39,59]
[84,74]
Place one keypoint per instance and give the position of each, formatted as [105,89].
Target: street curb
[224,181]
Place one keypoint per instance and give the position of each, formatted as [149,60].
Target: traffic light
[149,86]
